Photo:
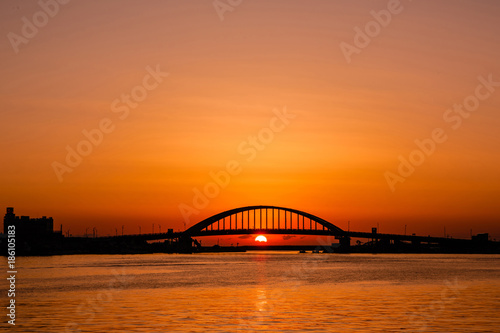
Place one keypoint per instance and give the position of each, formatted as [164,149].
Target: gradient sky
[225,78]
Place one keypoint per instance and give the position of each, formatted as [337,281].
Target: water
[258,292]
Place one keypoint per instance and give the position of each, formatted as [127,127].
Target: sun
[261,239]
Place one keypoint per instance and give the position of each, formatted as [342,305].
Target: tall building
[26,226]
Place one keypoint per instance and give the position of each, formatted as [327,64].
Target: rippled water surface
[258,292]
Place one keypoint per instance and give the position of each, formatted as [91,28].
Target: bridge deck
[336,234]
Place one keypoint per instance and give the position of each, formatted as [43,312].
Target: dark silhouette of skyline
[35,236]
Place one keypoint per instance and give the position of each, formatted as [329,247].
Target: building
[27,227]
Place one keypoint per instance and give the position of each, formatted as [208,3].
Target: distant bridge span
[287,221]
[263,219]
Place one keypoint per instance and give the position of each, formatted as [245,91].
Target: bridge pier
[345,244]
[185,244]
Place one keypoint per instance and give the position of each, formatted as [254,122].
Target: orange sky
[353,119]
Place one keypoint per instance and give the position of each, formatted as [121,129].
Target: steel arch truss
[263,219]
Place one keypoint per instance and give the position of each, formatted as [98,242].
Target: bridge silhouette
[281,220]
[265,220]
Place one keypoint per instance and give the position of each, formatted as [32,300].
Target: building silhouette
[27,228]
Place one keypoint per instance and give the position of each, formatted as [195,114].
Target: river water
[258,292]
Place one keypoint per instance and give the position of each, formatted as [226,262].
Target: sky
[125,113]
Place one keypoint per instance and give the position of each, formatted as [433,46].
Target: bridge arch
[268,219]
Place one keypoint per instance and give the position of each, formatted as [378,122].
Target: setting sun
[261,239]
[145,145]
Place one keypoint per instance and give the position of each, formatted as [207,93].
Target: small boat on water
[302,251]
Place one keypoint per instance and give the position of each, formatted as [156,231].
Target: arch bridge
[263,219]
[280,220]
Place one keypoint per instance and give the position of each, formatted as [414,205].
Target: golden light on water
[131,122]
